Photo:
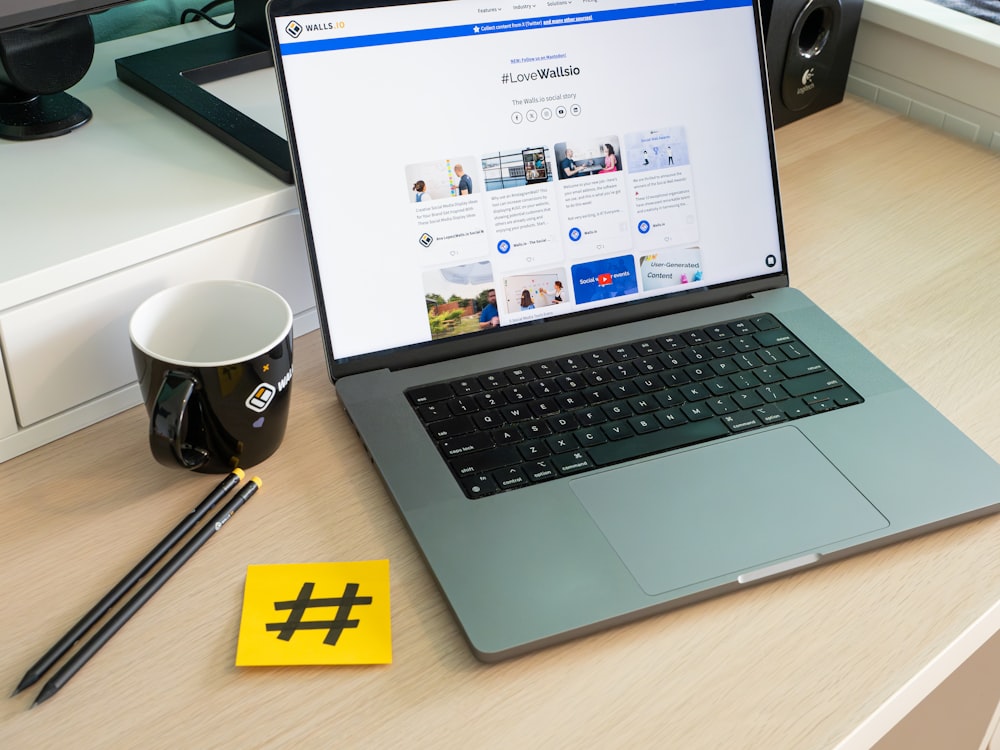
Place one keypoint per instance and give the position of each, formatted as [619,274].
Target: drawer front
[71,347]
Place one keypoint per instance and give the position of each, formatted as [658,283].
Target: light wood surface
[894,228]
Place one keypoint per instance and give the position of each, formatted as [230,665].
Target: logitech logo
[807,81]
[294,29]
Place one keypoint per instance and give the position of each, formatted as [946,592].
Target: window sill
[930,63]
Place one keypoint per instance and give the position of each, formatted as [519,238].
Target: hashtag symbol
[504,78]
[304,601]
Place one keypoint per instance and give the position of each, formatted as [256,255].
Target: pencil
[144,594]
[102,607]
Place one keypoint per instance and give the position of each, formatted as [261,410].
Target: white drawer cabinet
[94,222]
[71,348]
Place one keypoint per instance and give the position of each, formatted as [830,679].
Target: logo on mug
[261,397]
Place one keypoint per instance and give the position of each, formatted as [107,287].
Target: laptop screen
[472,165]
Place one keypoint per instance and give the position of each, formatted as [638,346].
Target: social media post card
[595,218]
[675,267]
[461,299]
[447,226]
[444,178]
[605,279]
[543,290]
[588,156]
[516,167]
[652,150]
[660,189]
[521,208]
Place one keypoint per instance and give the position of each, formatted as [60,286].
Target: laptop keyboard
[501,431]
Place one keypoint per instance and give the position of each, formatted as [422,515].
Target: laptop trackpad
[724,509]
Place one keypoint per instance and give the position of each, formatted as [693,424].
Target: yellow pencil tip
[257,481]
[239,473]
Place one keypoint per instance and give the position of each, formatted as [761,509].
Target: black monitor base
[42,116]
[173,77]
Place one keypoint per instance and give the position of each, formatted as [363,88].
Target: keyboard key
[564,423]
[490,399]
[617,430]
[506,436]
[466,387]
[510,478]
[811,383]
[798,367]
[479,485]
[586,438]
[773,337]
[485,461]
[795,409]
[765,322]
[540,471]
[695,412]
[451,427]
[477,441]
[644,424]
[429,393]
[493,380]
[741,421]
[434,412]
[695,337]
[519,375]
[622,353]
[536,429]
[671,417]
[562,443]
[597,359]
[845,397]
[533,450]
[572,463]
[545,369]
[742,327]
[769,414]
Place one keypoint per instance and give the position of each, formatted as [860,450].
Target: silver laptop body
[454,160]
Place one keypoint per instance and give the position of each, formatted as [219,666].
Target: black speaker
[808,45]
[37,64]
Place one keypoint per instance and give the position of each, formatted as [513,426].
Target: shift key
[819,381]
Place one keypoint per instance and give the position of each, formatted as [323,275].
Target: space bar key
[657,442]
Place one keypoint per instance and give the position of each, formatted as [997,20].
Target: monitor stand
[37,64]
[174,77]
[40,116]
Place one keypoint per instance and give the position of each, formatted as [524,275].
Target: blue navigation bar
[499,27]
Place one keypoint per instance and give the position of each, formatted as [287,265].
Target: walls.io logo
[293,29]
[261,397]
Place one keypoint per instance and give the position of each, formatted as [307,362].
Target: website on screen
[473,165]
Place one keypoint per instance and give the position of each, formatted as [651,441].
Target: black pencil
[144,594]
[102,607]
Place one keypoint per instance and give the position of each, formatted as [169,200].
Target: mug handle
[166,440]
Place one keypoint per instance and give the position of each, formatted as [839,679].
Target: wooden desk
[893,227]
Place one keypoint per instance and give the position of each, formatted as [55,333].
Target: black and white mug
[214,361]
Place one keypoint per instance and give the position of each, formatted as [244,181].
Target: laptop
[547,248]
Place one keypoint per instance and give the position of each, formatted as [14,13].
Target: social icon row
[546,113]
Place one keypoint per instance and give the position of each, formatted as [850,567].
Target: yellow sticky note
[316,613]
